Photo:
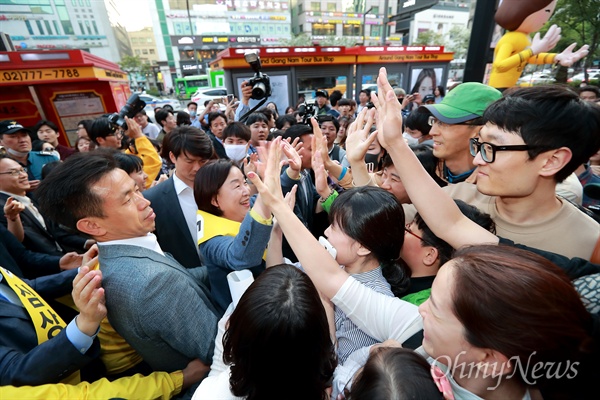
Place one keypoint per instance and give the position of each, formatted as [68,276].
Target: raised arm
[434,205]
[357,144]
[322,269]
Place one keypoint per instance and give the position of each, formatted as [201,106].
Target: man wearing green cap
[455,120]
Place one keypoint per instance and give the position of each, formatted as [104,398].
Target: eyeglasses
[488,150]
[14,172]
[407,230]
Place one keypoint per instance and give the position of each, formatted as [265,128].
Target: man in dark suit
[159,307]
[173,200]
[37,236]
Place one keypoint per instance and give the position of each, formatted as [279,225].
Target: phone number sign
[44,74]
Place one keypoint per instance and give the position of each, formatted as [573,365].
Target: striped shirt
[349,337]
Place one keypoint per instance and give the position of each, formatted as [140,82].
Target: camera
[133,106]
[307,111]
[261,84]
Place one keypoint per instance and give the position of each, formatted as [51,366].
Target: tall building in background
[348,19]
[188,42]
[65,24]
[143,45]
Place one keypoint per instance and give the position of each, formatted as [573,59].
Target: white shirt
[187,203]
[26,201]
[148,242]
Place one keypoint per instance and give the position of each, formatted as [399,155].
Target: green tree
[301,39]
[458,41]
[429,38]
[135,67]
[579,21]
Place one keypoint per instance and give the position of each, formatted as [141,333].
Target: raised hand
[13,208]
[547,43]
[270,190]
[359,137]
[320,176]
[294,159]
[133,129]
[389,113]
[88,296]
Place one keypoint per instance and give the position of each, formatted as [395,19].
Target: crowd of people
[423,245]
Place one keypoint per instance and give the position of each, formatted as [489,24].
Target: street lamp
[364,29]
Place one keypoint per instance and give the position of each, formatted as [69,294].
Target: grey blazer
[159,307]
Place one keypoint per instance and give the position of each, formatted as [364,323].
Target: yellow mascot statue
[516,49]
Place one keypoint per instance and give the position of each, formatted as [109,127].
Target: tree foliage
[429,38]
[458,41]
[579,21]
[131,64]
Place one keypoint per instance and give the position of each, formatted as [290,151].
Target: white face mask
[411,141]
[236,152]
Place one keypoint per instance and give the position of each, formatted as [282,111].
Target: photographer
[106,134]
[246,94]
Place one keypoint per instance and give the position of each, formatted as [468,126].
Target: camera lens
[259,90]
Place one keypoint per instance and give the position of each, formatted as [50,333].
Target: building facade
[143,45]
[65,24]
[190,40]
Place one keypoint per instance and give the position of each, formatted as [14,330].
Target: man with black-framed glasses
[533,140]
[455,120]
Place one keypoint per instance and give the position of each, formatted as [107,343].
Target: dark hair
[101,128]
[549,117]
[276,111]
[297,131]
[66,195]
[344,102]
[394,373]
[43,122]
[511,13]
[237,129]
[280,313]
[257,117]
[38,145]
[441,89]
[87,124]
[429,162]
[214,115]
[268,113]
[79,139]
[183,118]
[289,108]
[208,181]
[329,118]
[445,251]
[129,162]
[366,91]
[419,121]
[334,97]
[542,320]
[161,116]
[590,88]
[189,140]
[425,73]
[47,168]
[280,122]
[357,211]
[191,103]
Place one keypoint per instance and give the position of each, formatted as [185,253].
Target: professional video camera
[261,84]
[133,106]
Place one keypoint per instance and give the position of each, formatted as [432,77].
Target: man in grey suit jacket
[161,308]
[173,201]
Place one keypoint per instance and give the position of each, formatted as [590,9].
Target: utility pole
[364,29]
[187,5]
[385,21]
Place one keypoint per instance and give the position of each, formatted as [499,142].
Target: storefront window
[323,29]
[352,30]
[315,6]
